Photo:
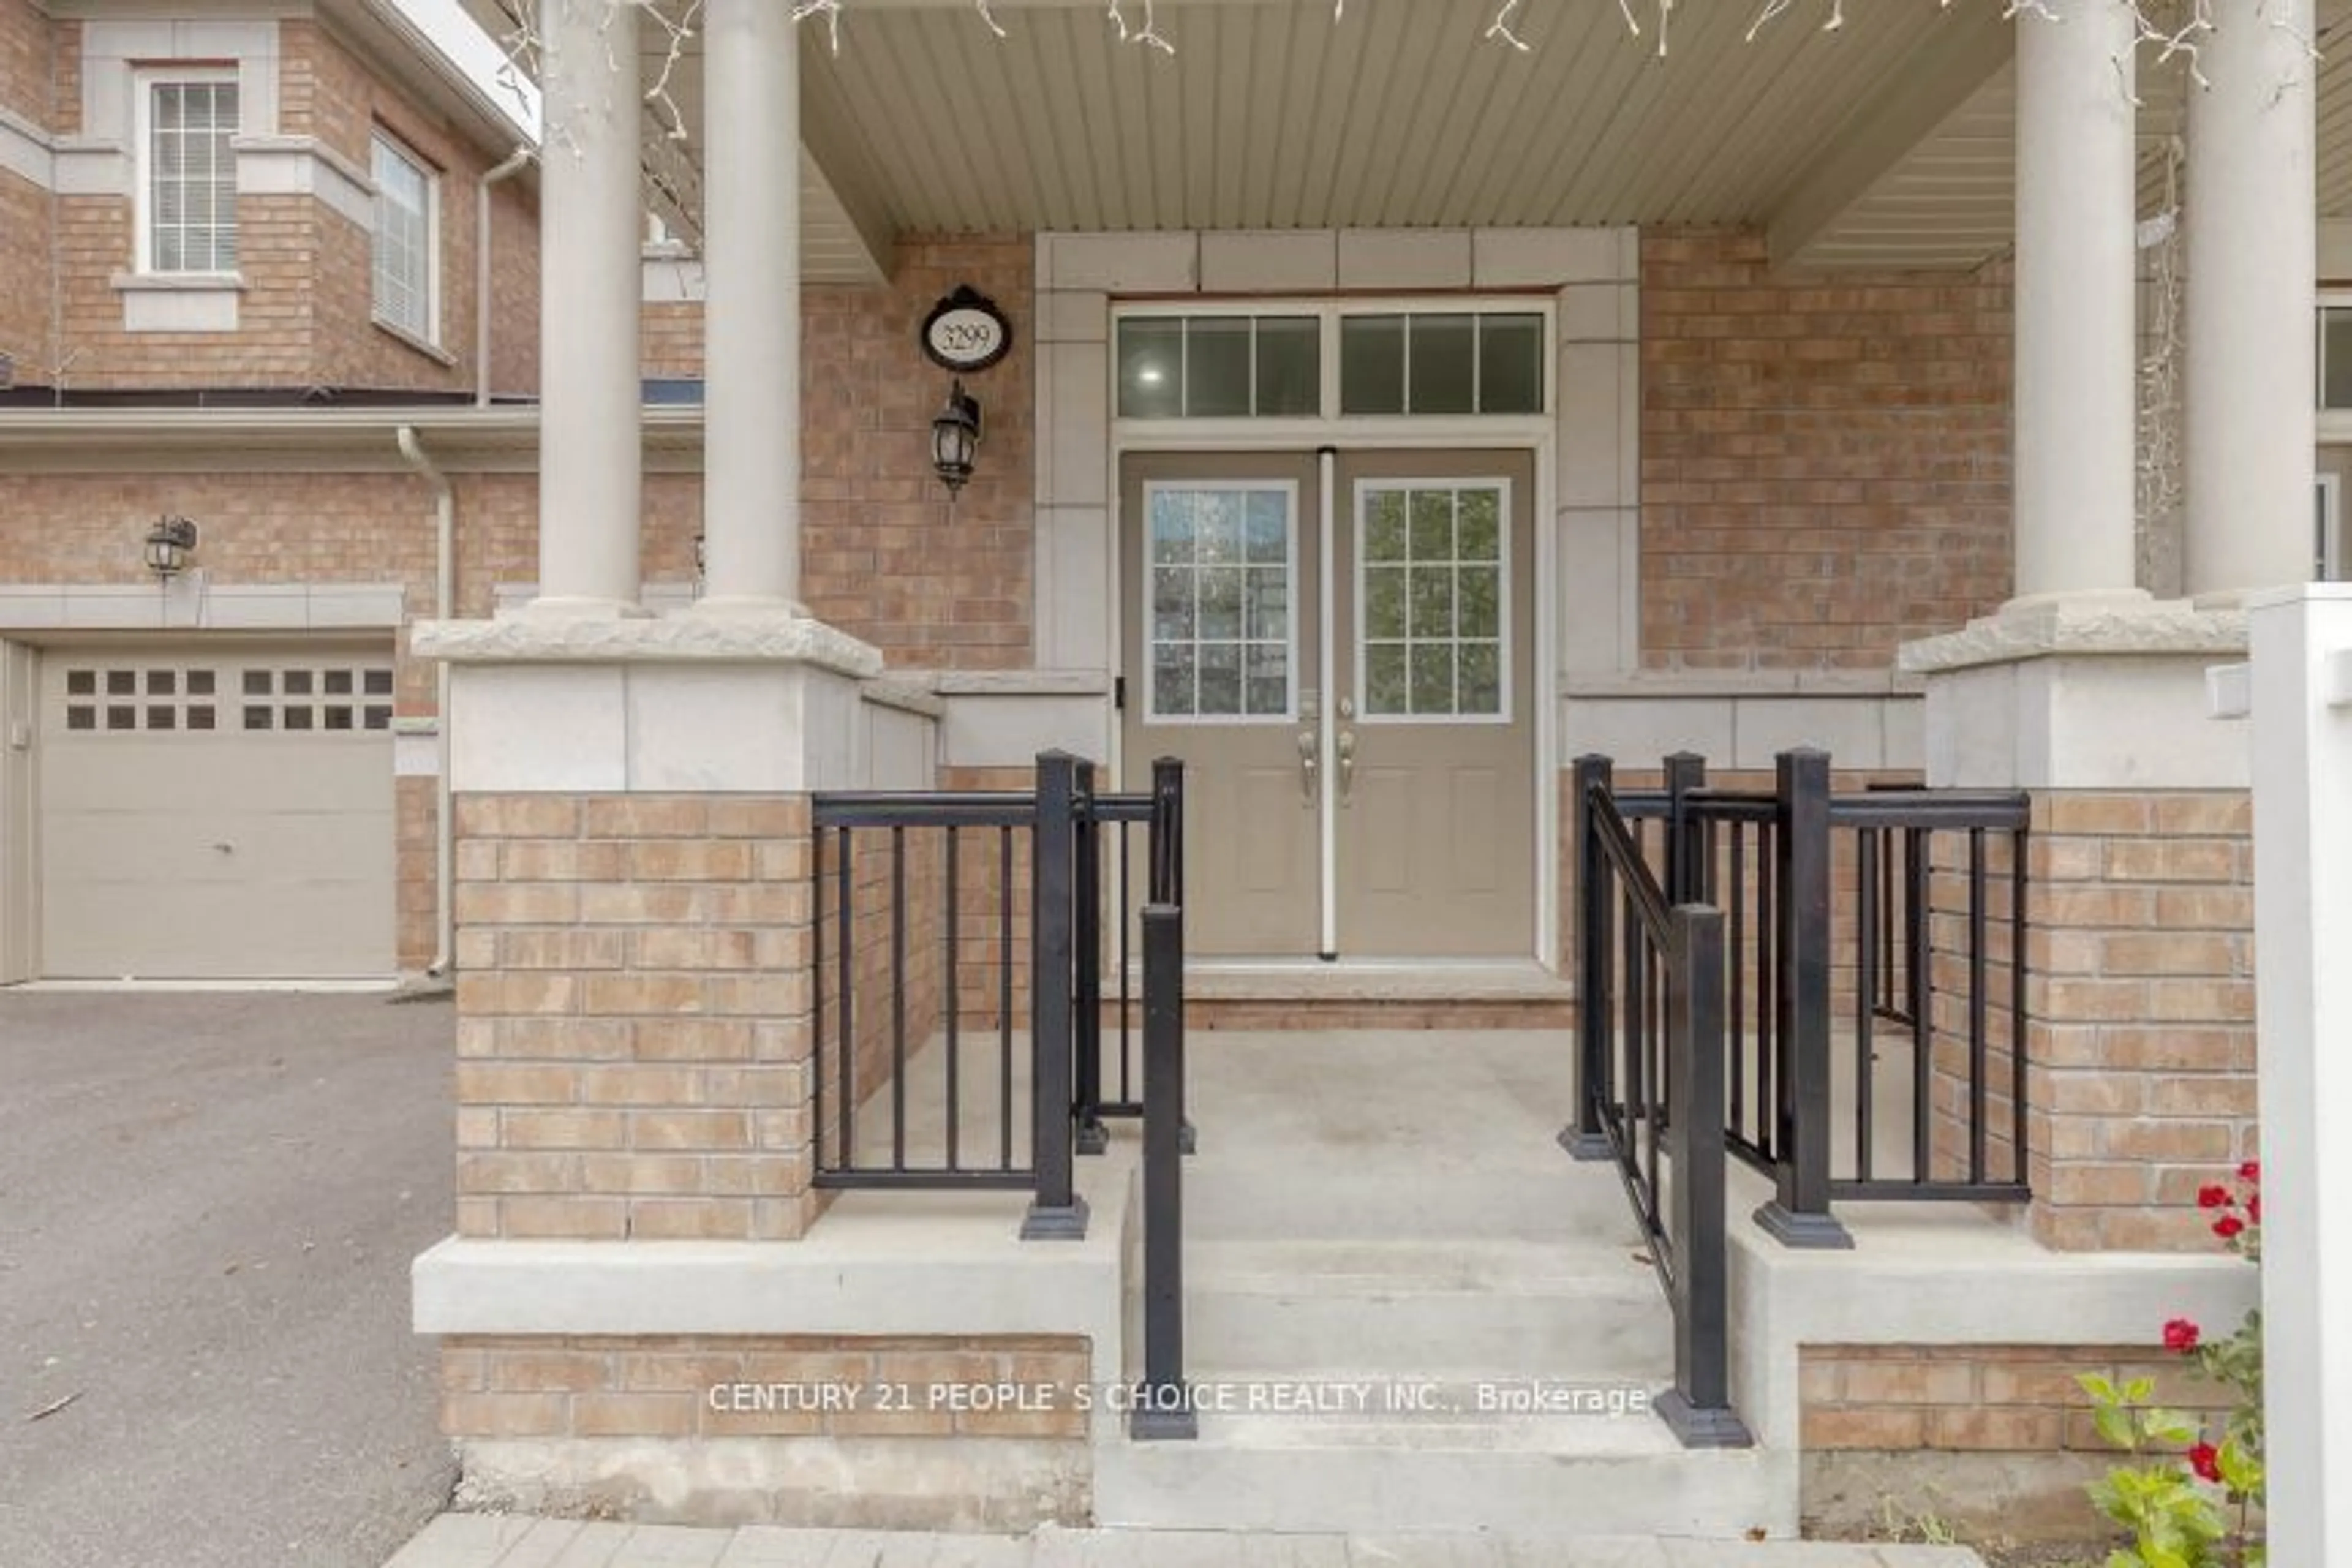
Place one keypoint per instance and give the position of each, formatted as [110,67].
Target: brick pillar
[633,1027]
[2139,1035]
[2140,1013]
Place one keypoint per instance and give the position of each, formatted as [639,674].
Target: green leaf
[2116,1425]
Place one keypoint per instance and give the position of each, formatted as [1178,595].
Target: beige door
[1385,810]
[1434,600]
[1223,628]
[212,810]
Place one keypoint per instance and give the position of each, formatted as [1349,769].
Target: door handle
[1310,766]
[1347,766]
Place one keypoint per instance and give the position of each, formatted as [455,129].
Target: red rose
[2181,1335]
[2251,1171]
[2213,1197]
[2206,1461]
[2254,1208]
[2228,1227]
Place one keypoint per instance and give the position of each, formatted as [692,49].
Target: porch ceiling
[1949,199]
[1888,144]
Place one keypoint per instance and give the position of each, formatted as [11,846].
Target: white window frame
[379,136]
[1478,428]
[1505,561]
[144,84]
[2334,554]
[1288,489]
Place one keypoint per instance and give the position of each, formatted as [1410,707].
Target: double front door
[1349,677]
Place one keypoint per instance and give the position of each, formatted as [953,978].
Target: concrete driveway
[208,1204]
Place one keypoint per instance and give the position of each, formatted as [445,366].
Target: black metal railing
[1111,1079]
[1651,1030]
[1875,975]
[937,913]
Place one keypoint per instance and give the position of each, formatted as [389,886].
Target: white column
[2076,393]
[751,309]
[591,471]
[2302,687]
[2252,243]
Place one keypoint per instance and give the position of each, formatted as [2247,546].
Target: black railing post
[1685,835]
[1585,1137]
[1698,1407]
[1167,883]
[1056,1213]
[1799,1214]
[1092,1136]
[1166,850]
[1163,1408]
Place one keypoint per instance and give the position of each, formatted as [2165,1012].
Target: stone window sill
[180,301]
[416,344]
[179,282]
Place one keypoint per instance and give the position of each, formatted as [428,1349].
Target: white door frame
[1535,433]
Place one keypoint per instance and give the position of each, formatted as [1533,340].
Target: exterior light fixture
[955,438]
[169,544]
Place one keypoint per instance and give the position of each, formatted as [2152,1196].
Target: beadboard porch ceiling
[1887,142]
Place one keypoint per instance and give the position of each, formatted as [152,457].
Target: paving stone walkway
[495,1541]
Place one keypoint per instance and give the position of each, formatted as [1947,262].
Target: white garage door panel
[213,813]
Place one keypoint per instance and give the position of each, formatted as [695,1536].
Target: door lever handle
[1347,766]
[1311,767]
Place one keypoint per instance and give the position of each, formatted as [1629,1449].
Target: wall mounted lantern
[955,438]
[169,544]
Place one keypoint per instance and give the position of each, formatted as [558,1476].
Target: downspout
[482,312]
[444,596]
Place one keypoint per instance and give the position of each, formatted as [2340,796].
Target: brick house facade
[1776,493]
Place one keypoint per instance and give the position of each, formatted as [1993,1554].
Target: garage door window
[137,701]
[297,699]
[305,699]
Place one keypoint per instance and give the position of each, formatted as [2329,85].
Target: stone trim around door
[1595,485]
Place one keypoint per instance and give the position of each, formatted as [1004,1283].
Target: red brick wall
[26,77]
[306,317]
[26,64]
[1824,461]
[24,324]
[885,555]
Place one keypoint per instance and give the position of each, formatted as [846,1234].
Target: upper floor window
[404,233]
[187,183]
[1332,361]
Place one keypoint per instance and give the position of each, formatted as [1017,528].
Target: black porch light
[955,438]
[169,544]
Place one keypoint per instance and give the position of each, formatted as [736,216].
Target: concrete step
[1553,1200]
[1554,1476]
[1505,1310]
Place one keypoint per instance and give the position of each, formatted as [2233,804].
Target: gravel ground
[208,1204]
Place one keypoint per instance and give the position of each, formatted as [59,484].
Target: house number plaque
[966,332]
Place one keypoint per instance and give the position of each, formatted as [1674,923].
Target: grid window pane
[1371,365]
[2335,358]
[1444,361]
[1289,365]
[1220,367]
[1219,580]
[1217,367]
[1510,364]
[1150,369]
[1430,614]
[192,176]
[403,242]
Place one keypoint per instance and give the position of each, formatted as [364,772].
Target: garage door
[216,814]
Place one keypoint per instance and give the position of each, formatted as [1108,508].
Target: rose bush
[2193,1497]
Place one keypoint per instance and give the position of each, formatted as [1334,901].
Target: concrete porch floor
[481,1541]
